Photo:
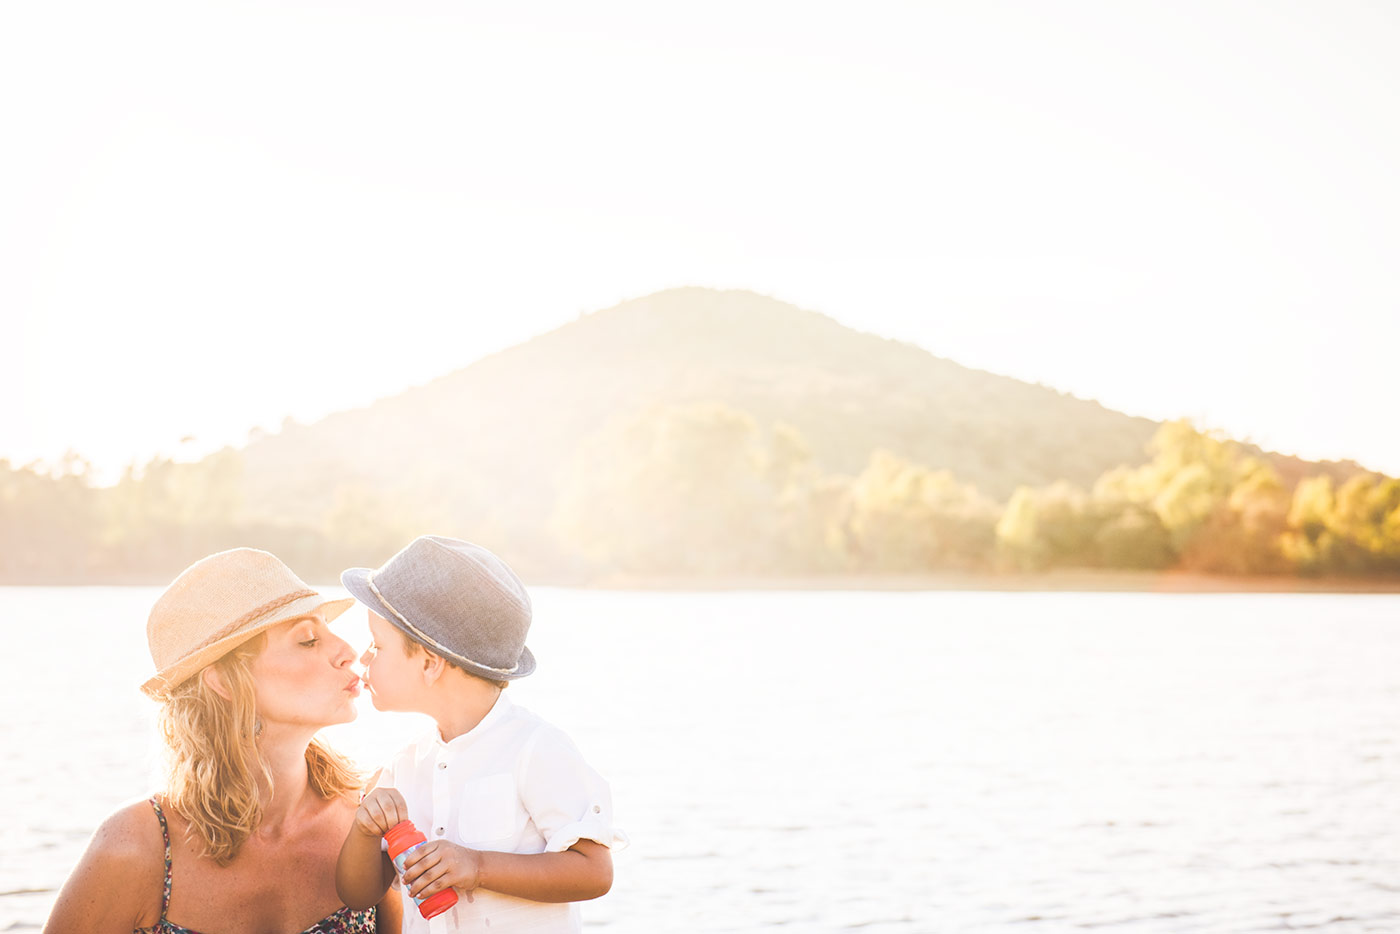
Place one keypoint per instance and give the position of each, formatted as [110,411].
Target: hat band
[438,646]
[253,615]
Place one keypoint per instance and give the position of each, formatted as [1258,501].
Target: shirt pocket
[488,810]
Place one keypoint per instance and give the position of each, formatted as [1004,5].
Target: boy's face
[389,671]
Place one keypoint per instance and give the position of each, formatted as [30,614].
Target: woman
[245,836]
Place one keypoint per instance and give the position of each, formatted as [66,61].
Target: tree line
[704,490]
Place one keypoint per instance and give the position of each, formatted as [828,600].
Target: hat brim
[356,580]
[159,686]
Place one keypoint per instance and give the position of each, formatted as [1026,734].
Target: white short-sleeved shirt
[515,784]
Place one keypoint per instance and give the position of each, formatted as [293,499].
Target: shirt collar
[498,712]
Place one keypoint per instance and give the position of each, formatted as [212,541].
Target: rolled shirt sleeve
[566,799]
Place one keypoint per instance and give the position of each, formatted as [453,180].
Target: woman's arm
[116,886]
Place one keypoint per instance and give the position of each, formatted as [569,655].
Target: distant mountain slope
[485,443]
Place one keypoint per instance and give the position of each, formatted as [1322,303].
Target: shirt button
[596,809]
[440,831]
[442,765]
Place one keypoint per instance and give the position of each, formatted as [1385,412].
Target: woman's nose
[344,655]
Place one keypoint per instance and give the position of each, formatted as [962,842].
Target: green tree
[679,489]
[1242,535]
[49,521]
[906,517]
[1354,529]
[1222,510]
[1132,536]
[1050,527]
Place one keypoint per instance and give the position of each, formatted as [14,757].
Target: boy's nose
[364,659]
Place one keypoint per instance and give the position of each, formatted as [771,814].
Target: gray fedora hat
[456,599]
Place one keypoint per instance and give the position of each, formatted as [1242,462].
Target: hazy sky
[214,215]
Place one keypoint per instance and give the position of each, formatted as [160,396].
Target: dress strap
[164,832]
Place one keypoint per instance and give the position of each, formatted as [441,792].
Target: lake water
[881,762]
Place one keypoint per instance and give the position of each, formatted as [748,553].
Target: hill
[481,449]
[697,433]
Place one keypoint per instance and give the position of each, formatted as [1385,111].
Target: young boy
[516,821]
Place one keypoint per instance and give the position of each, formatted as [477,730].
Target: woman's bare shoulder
[119,878]
[132,835]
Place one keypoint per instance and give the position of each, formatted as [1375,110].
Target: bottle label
[398,864]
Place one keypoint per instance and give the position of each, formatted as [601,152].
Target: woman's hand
[381,809]
[435,866]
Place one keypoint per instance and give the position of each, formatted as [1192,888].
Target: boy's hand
[435,866]
[381,809]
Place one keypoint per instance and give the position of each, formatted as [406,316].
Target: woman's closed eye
[310,642]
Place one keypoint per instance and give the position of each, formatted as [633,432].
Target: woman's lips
[354,686]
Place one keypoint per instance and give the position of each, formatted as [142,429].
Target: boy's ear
[433,666]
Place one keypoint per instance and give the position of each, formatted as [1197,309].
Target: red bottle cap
[437,904]
[401,836]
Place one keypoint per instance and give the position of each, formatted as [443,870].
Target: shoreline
[1060,581]
[1065,580]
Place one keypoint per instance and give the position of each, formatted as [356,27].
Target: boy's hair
[411,648]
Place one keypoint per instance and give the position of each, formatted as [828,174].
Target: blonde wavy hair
[213,764]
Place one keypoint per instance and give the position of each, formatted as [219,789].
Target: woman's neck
[284,799]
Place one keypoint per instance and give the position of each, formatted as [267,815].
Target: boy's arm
[363,873]
[570,805]
[581,872]
[388,914]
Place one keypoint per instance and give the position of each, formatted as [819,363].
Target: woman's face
[302,676]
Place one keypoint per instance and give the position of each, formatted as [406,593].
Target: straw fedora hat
[219,602]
